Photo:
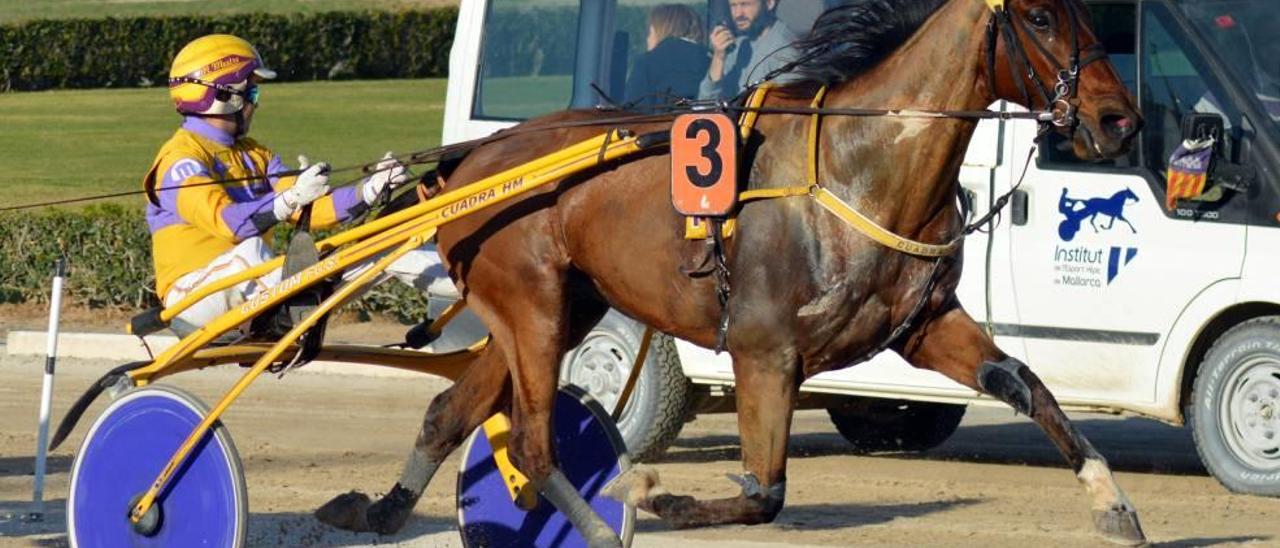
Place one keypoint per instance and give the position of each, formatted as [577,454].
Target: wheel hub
[601,366]
[1252,400]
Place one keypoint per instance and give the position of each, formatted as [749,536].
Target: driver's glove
[389,171]
[312,184]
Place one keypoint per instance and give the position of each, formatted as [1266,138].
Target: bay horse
[809,293]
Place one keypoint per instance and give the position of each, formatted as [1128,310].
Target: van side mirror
[1224,175]
[1203,125]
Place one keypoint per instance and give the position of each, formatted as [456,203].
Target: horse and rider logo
[1102,214]
[1077,211]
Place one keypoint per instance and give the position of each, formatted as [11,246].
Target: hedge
[137,51]
[109,252]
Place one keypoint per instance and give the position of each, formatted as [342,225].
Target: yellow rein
[826,198]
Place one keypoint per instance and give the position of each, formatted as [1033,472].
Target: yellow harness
[696,230]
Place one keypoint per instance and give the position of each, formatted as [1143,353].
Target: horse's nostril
[1118,126]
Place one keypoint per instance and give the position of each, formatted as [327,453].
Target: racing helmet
[211,74]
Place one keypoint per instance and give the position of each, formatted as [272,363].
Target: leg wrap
[564,496]
[417,472]
[771,497]
[1003,380]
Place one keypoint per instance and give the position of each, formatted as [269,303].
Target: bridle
[1062,101]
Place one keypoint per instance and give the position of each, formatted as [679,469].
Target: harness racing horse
[809,293]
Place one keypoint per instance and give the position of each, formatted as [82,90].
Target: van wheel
[1235,408]
[876,424]
[661,398]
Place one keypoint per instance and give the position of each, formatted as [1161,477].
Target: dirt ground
[997,482]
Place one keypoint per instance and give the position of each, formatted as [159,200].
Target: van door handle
[1018,205]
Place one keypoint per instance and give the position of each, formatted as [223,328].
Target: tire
[1235,408]
[661,398]
[875,424]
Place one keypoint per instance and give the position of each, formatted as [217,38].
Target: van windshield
[1243,34]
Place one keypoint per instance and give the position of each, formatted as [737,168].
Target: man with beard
[746,49]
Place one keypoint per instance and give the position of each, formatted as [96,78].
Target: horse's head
[1043,54]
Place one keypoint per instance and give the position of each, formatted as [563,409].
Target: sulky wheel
[591,454]
[205,502]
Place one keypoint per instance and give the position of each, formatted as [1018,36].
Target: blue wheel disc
[591,454]
[204,503]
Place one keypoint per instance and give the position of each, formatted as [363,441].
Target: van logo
[1089,265]
[1114,260]
[1076,211]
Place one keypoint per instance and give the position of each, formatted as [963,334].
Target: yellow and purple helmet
[211,75]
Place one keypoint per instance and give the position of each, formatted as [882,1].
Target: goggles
[224,92]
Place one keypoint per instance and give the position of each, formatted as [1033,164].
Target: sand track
[997,482]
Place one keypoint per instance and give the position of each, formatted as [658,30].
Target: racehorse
[1112,207]
[808,293]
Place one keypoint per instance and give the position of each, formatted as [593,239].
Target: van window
[1175,83]
[677,61]
[1114,25]
[527,59]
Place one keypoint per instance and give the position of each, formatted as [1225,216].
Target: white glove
[388,171]
[311,185]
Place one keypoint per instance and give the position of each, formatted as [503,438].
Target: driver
[203,232]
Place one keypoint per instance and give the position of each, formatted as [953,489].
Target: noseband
[1062,101]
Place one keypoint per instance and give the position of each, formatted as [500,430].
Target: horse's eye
[1040,18]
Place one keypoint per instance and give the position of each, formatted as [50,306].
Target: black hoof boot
[420,335]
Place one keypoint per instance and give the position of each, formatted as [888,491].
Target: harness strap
[749,114]
[878,233]
[851,216]
[771,193]
[815,125]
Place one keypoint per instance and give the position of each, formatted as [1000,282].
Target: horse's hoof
[390,513]
[346,511]
[1119,526]
[634,487]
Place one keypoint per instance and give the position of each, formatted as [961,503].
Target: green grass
[67,144]
[19,10]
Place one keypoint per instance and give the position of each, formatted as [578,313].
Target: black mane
[849,39]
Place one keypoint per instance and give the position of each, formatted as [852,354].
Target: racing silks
[192,223]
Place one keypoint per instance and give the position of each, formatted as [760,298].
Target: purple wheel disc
[591,454]
[127,446]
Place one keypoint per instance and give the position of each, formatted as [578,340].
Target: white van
[1118,301]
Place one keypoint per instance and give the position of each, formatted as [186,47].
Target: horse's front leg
[954,345]
[766,389]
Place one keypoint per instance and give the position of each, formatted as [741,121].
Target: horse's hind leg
[765,390]
[954,345]
[481,391]
[537,324]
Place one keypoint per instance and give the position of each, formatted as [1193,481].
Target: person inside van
[675,62]
[746,48]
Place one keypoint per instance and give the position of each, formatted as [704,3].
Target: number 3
[708,151]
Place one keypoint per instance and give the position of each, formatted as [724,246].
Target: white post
[46,392]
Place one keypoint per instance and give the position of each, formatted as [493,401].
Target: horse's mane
[849,39]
